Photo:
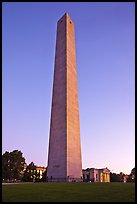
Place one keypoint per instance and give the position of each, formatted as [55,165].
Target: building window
[70,22]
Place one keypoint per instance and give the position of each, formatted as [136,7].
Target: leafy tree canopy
[12,165]
[30,172]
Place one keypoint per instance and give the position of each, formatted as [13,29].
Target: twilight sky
[105,51]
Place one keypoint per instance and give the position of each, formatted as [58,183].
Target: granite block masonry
[64,154]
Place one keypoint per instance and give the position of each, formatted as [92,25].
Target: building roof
[102,169]
[40,168]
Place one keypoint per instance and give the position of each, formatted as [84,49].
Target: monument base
[65,179]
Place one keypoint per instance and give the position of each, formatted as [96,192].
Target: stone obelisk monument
[64,156]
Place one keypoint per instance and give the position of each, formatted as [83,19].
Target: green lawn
[69,192]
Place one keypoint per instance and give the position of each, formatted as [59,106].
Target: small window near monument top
[70,22]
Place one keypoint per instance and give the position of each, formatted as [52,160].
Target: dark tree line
[120,177]
[131,177]
[117,177]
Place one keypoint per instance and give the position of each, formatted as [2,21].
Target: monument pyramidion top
[65,17]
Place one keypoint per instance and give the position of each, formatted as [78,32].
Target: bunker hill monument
[64,154]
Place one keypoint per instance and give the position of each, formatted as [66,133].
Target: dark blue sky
[105,48]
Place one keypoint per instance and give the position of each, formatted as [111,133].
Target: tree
[30,172]
[114,177]
[12,165]
[131,177]
[121,177]
[6,166]
[44,176]
[133,174]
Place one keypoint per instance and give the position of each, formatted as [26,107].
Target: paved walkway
[16,183]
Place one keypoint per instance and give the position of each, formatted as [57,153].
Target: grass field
[69,192]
